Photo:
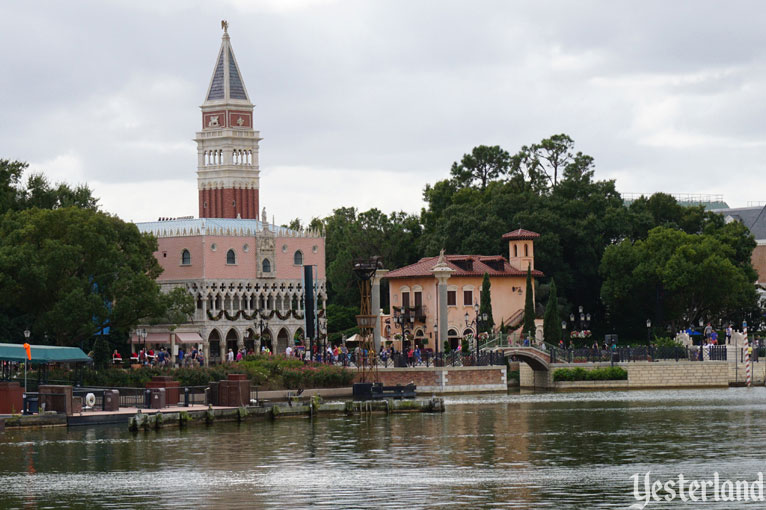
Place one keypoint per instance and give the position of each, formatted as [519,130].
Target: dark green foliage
[529,308]
[482,165]
[486,304]
[70,272]
[551,321]
[597,374]
[267,372]
[340,318]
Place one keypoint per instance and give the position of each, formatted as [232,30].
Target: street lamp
[27,333]
[262,326]
[648,331]
[141,337]
[564,333]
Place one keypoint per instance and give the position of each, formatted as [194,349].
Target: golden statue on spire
[225,26]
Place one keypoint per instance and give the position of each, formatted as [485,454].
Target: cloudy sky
[363,103]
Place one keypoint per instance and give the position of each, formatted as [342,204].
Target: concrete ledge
[37,420]
[468,388]
[591,385]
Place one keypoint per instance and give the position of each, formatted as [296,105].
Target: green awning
[43,354]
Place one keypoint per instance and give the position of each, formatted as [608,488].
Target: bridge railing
[628,354]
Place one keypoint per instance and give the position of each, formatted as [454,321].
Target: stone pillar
[173,351]
[375,306]
[442,273]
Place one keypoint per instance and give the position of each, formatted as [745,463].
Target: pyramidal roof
[226,83]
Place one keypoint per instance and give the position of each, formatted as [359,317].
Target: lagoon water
[536,450]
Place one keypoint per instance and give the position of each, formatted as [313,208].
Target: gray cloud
[665,95]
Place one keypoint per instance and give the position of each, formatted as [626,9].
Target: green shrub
[597,374]
[269,372]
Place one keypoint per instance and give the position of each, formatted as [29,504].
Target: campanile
[227,146]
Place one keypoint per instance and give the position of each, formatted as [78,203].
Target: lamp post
[264,326]
[564,333]
[648,332]
[702,331]
[141,337]
[27,333]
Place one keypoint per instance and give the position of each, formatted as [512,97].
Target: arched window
[266,266]
[515,251]
[185,258]
[231,257]
[298,258]
[526,250]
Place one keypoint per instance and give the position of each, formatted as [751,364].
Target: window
[405,299]
[526,250]
[185,258]
[231,258]
[451,298]
[515,251]
[418,299]
[467,297]
[298,258]
[266,266]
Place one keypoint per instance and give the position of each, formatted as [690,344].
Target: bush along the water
[597,374]
[267,372]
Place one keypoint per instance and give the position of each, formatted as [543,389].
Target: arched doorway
[231,341]
[282,338]
[250,340]
[266,340]
[453,339]
[214,344]
[420,338]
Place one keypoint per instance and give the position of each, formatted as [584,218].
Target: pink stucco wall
[505,300]
[206,263]
[285,266]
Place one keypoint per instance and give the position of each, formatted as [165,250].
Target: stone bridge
[537,359]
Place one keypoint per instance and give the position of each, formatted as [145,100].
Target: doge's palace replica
[244,273]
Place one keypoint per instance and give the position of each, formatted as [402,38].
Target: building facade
[414,296]
[245,274]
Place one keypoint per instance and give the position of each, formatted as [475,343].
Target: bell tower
[227,146]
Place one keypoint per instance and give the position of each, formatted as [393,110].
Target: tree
[68,273]
[551,317]
[38,193]
[483,164]
[529,308]
[678,278]
[486,305]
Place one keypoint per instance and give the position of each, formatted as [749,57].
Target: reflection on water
[560,450]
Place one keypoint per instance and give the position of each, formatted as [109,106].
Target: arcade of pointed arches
[248,297]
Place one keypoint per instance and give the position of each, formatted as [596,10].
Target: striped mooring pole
[748,375]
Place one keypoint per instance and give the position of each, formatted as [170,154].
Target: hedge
[267,372]
[597,374]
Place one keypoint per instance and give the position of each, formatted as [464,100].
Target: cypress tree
[486,305]
[529,308]
[551,318]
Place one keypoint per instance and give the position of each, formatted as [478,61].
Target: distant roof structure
[709,201]
[754,218]
[43,354]
[216,226]
[520,235]
[462,265]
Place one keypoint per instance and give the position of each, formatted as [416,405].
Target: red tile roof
[521,234]
[463,265]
